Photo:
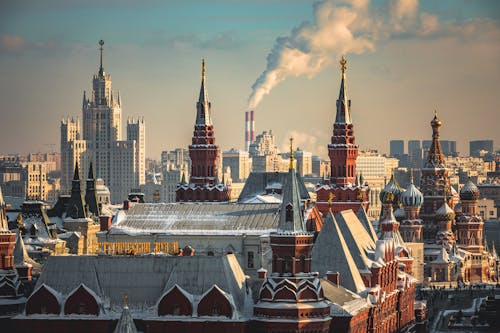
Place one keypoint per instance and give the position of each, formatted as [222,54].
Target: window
[289,213]
[250,259]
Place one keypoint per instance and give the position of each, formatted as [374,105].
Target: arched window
[289,213]
[175,302]
[215,303]
[82,300]
[43,301]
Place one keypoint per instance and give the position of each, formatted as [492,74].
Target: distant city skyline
[417,58]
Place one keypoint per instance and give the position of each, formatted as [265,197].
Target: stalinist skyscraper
[120,163]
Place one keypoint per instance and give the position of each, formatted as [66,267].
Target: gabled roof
[145,278]
[331,253]
[363,217]
[260,183]
[358,240]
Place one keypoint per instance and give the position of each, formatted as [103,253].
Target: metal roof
[212,218]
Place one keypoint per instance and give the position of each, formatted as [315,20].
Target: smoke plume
[339,28]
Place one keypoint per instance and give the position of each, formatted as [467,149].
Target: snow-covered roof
[210,218]
[260,183]
[145,278]
[331,252]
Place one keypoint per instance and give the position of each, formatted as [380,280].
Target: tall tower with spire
[343,184]
[292,295]
[120,163]
[434,184]
[204,183]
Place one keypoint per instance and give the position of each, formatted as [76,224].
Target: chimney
[252,127]
[262,273]
[333,277]
[24,271]
[247,130]
[105,222]
[126,205]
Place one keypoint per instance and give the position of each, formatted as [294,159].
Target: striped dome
[469,191]
[412,197]
[391,192]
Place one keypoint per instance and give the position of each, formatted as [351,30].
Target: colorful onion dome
[391,192]
[469,191]
[412,197]
[445,213]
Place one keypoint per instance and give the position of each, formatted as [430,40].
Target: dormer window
[289,213]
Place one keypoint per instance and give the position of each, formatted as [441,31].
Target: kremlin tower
[342,186]
[204,153]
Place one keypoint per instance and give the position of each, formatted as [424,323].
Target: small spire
[91,171]
[101,69]
[76,176]
[291,154]
[343,104]
[331,196]
[203,71]
[411,175]
[125,300]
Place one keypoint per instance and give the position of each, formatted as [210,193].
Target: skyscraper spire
[101,69]
[203,106]
[343,104]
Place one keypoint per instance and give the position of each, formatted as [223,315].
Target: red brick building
[204,183]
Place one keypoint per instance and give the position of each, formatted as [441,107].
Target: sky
[405,59]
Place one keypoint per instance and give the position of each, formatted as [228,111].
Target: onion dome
[435,122]
[469,191]
[412,197]
[391,191]
[445,213]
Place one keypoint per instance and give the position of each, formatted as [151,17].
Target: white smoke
[339,28]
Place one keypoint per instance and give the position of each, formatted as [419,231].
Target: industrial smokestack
[252,127]
[247,130]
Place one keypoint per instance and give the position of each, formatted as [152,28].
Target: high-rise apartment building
[120,163]
[304,162]
[239,162]
[476,146]
[397,148]
[415,153]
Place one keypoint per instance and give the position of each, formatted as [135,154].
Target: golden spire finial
[291,153]
[203,69]
[343,64]
[331,196]
[125,300]
[411,175]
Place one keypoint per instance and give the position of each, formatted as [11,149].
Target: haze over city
[405,59]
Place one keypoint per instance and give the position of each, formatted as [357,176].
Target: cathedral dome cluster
[469,191]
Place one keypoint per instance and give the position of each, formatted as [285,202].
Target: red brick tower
[11,299]
[343,151]
[434,184]
[204,153]
[469,222]
[291,299]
